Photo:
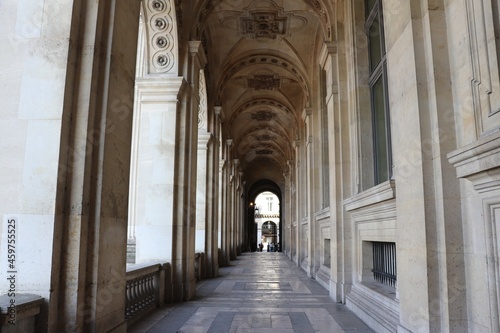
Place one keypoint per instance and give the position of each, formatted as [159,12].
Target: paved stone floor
[259,292]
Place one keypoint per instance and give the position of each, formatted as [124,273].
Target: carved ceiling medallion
[263,25]
[263,116]
[264,82]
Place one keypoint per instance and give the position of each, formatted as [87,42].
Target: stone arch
[263,101]
[270,60]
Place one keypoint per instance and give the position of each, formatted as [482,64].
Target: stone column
[204,156]
[233,203]
[309,190]
[77,158]
[224,217]
[227,209]
[204,167]
[212,181]
[240,223]
[183,249]
[286,217]
[298,198]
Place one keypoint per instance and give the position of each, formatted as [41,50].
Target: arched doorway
[266,221]
[269,236]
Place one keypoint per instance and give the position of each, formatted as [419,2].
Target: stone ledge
[479,162]
[480,156]
[323,276]
[26,304]
[382,192]
[380,313]
[27,307]
[322,214]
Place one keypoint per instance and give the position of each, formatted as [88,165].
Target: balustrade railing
[144,290]
[150,286]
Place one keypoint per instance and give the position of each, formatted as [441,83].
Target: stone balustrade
[149,286]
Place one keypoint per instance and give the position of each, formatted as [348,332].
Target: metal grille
[384,263]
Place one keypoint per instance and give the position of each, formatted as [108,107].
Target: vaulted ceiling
[262,69]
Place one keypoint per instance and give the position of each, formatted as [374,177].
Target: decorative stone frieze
[161,27]
[202,111]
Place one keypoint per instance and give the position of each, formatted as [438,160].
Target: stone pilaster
[329,63]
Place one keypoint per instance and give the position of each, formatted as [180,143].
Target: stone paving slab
[259,292]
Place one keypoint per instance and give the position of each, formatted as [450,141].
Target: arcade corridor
[146,130]
[259,292]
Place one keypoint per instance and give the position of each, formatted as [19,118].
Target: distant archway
[269,235]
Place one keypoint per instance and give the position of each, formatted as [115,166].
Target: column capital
[306,113]
[219,112]
[196,49]
[229,142]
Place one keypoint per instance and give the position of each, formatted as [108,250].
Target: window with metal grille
[384,263]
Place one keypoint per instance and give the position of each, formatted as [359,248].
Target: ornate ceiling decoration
[263,25]
[263,115]
[260,102]
[265,60]
[264,82]
[317,6]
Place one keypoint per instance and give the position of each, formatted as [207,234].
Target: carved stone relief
[202,111]
[161,25]
[317,6]
[263,25]
[264,82]
[263,115]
